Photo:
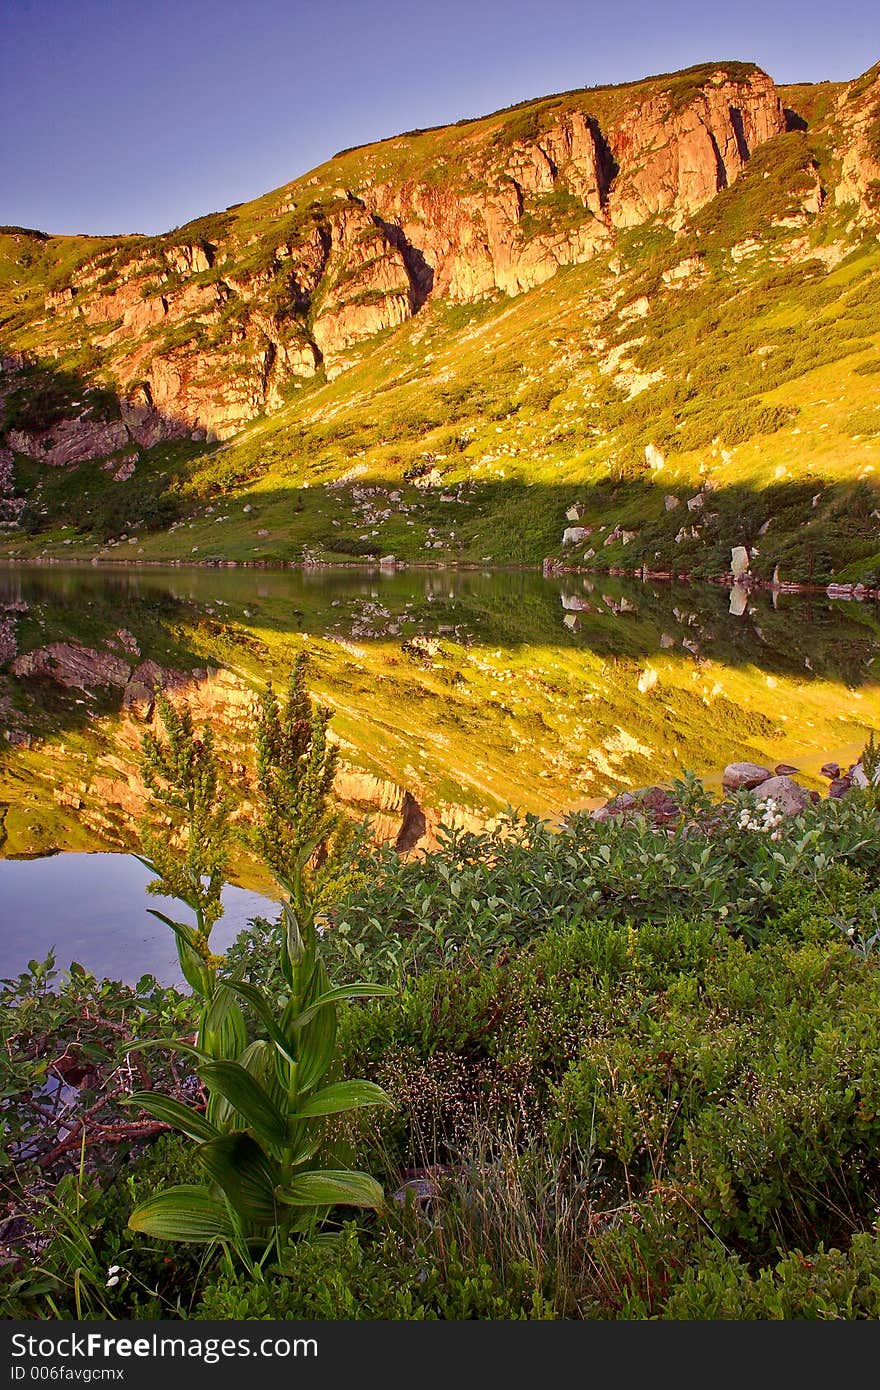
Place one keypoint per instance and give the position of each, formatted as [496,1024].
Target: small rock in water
[739,599]
[739,561]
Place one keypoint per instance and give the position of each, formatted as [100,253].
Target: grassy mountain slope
[437,346]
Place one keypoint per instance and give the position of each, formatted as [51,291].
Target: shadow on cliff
[69,438]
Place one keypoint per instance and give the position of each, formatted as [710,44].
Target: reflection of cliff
[452,695]
[101,785]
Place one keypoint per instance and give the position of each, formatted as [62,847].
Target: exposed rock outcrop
[202,335]
[11,506]
[859,111]
[673,161]
[73,666]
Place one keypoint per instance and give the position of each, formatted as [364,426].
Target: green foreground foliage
[633,1072]
[261,1133]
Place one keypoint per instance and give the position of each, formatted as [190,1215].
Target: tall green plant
[261,1136]
[186,840]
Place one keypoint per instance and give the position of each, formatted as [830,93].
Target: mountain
[646,316]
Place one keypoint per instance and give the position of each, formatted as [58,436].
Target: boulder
[830,770]
[737,776]
[859,777]
[739,561]
[789,797]
[739,600]
[656,804]
[647,680]
[573,535]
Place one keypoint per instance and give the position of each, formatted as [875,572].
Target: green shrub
[484,894]
[400,1274]
[823,1285]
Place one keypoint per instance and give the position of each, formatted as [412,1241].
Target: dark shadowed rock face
[73,666]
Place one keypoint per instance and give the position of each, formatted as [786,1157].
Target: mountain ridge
[141,353]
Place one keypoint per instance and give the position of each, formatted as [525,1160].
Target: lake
[94,908]
[455,694]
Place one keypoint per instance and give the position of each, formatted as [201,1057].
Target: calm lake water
[471,690]
[93,908]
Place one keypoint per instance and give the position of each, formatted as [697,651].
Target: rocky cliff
[673,284]
[203,329]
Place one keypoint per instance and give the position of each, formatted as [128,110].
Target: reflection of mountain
[450,690]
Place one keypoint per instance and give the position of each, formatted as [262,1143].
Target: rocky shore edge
[550,568]
[776,791]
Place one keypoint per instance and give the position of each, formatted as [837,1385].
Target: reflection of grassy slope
[512,707]
[752,374]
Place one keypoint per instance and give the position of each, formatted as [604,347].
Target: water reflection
[468,690]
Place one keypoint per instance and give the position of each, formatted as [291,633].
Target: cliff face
[204,329]
[672,162]
[859,143]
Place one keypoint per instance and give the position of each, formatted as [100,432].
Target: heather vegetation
[619,1070]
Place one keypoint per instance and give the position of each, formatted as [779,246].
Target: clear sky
[137,115]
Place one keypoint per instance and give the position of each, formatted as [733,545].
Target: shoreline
[550,569]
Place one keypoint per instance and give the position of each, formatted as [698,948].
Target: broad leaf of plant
[223,1033]
[248,1178]
[333,996]
[341,1096]
[173,1112]
[331,1187]
[188,1213]
[247,1095]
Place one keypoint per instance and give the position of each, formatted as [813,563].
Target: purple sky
[137,115]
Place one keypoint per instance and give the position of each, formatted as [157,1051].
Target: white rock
[739,561]
[573,535]
[647,680]
[738,599]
